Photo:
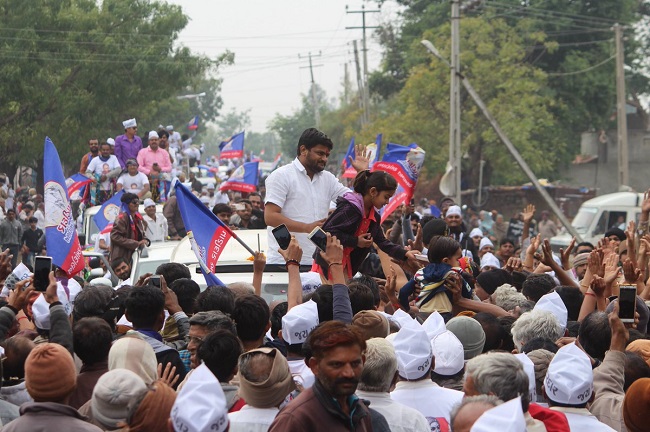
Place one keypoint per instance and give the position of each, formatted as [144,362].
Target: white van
[599,214]
[90,229]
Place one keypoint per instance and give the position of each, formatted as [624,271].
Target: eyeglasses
[195,339]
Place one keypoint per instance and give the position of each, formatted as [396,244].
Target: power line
[581,17]
[590,68]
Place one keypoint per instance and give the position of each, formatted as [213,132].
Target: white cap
[41,308]
[153,134]
[490,260]
[569,378]
[205,199]
[448,354]
[299,322]
[110,141]
[485,242]
[169,127]
[476,232]
[149,202]
[211,186]
[434,325]
[413,351]
[101,281]
[200,406]
[310,282]
[454,210]
[507,417]
[553,303]
[129,123]
[529,368]
[402,318]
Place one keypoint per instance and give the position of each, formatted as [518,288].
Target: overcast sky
[267,36]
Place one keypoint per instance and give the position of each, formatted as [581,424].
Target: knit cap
[50,373]
[112,394]
[636,406]
[371,324]
[470,333]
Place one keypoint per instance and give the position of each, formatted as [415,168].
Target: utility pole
[360,86]
[366,92]
[314,99]
[454,100]
[621,112]
[511,148]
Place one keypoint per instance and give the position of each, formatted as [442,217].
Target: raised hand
[595,264]
[612,269]
[361,159]
[565,255]
[631,273]
[528,213]
[598,286]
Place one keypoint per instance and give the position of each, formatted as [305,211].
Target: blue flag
[76,185]
[244,179]
[194,123]
[62,241]
[208,235]
[108,212]
[232,148]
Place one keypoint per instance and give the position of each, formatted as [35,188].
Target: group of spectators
[424,326]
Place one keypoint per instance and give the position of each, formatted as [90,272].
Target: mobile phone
[627,303]
[155,281]
[240,207]
[282,236]
[42,269]
[319,238]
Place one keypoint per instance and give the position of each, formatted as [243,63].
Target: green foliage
[513,91]
[74,69]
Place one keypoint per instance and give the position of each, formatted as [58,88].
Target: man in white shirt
[299,194]
[156,222]
[134,181]
[378,377]
[39,214]
[102,169]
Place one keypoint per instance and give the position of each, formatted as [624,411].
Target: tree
[76,68]
[513,90]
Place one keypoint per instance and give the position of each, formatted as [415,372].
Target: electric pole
[454,100]
[366,92]
[621,111]
[360,86]
[314,98]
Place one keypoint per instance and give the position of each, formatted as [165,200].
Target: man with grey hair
[500,374]
[201,324]
[465,414]
[536,324]
[378,378]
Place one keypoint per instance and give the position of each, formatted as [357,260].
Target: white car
[148,260]
[236,265]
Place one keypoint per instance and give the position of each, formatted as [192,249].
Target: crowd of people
[429,321]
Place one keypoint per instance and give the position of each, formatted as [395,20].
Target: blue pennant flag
[109,211]
[208,235]
[60,227]
[76,185]
[232,148]
[244,179]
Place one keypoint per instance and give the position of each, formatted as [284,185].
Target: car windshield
[148,267]
[584,218]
